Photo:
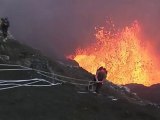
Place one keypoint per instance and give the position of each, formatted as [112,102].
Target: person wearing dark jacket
[4,26]
[100,78]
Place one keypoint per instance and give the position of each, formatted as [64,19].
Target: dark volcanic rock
[64,103]
[151,93]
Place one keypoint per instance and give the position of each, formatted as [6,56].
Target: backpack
[101,74]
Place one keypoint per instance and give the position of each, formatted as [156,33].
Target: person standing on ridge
[4,26]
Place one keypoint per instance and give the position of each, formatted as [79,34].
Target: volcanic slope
[61,101]
[151,93]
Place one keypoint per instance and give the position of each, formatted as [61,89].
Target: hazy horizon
[60,26]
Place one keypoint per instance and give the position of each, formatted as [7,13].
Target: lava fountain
[127,57]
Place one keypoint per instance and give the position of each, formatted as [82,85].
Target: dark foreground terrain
[64,103]
[151,93]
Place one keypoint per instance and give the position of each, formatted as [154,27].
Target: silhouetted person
[4,26]
[99,78]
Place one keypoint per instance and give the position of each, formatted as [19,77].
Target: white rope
[9,65]
[15,66]
[52,77]
[43,85]
[28,86]
[18,84]
[41,72]
[49,73]
[9,87]
[69,77]
[14,69]
[18,80]
[71,82]
[63,80]
[46,72]
[14,83]
[60,75]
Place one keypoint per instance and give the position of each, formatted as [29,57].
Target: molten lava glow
[127,58]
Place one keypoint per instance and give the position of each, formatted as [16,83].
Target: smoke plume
[60,26]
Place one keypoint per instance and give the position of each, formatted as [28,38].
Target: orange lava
[127,57]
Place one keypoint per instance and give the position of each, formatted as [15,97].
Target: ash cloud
[60,26]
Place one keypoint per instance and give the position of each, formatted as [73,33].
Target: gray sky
[60,26]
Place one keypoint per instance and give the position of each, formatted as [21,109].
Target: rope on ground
[61,75]
[41,72]
[73,83]
[6,84]
[51,77]
[14,69]
[15,66]
[18,80]
[17,84]
[63,80]
[45,72]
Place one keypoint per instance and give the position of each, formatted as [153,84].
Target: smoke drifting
[60,26]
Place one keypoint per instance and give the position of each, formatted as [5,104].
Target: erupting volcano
[127,57]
